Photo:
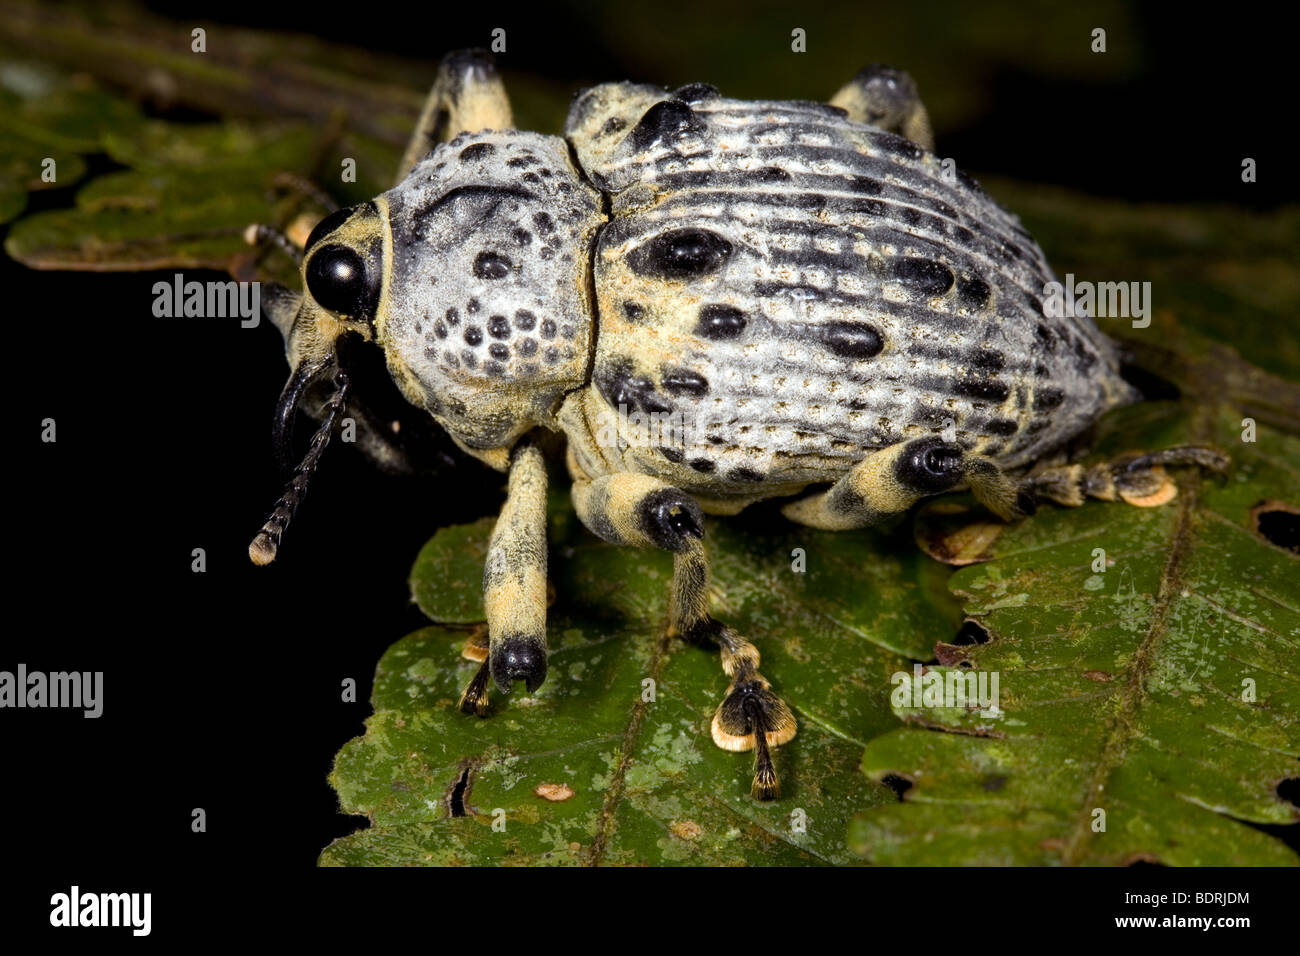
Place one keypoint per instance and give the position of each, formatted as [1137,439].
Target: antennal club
[263,548]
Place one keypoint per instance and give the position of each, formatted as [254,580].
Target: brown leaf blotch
[554,792]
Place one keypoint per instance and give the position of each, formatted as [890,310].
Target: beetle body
[716,301]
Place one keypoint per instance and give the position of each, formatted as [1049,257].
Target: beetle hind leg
[751,716]
[474,699]
[1134,478]
[887,98]
[644,511]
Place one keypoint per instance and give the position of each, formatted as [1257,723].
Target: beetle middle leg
[643,511]
[885,483]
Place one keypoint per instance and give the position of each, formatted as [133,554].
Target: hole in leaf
[456,795]
[900,785]
[1278,523]
[972,632]
[1289,790]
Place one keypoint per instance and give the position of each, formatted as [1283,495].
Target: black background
[222,689]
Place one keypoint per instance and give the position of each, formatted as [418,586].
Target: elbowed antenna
[264,546]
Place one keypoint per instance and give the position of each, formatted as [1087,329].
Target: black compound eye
[337,280]
[681,254]
[327,225]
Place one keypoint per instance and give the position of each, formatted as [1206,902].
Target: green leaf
[649,786]
[1162,690]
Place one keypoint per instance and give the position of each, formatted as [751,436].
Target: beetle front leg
[467,96]
[514,585]
[643,511]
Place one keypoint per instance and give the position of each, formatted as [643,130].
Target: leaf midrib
[1124,724]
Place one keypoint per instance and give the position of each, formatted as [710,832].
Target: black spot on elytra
[987,390]
[633,310]
[476,151]
[472,306]
[895,145]
[1045,399]
[702,465]
[695,92]
[473,336]
[972,292]
[499,351]
[453,317]
[664,122]
[525,321]
[522,236]
[771,174]
[498,327]
[613,125]
[672,454]
[988,360]
[680,254]
[721,322]
[621,388]
[1084,358]
[1046,336]
[923,276]
[855,340]
[548,328]
[679,381]
[526,347]
[745,474]
[544,223]
[870,187]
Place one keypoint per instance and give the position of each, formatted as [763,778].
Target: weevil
[716,302]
